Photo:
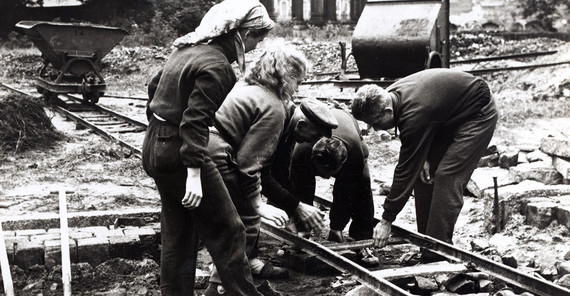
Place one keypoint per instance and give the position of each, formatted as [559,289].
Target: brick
[52,255]
[9,233]
[76,234]
[96,231]
[557,146]
[540,171]
[45,237]
[93,250]
[143,231]
[562,166]
[28,253]
[125,246]
[30,232]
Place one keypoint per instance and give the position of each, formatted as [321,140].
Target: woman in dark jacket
[246,132]
[183,98]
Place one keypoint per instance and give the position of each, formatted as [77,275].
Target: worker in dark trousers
[246,132]
[275,183]
[183,98]
[446,119]
[343,156]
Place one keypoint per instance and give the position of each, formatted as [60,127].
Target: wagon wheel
[91,97]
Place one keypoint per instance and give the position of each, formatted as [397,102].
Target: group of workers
[215,145]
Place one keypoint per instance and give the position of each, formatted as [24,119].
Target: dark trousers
[453,156]
[352,193]
[352,198]
[222,155]
[215,221]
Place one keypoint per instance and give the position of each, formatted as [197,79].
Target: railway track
[128,133]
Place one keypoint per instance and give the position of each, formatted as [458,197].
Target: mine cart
[395,38]
[72,54]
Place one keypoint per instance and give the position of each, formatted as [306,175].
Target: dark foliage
[25,125]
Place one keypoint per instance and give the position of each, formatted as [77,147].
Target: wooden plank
[5,266]
[424,269]
[65,257]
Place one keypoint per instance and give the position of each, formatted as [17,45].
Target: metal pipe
[496,207]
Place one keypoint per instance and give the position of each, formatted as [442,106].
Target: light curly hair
[370,99]
[280,68]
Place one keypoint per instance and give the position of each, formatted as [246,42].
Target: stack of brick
[532,181]
[92,244]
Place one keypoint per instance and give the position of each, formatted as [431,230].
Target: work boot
[367,258]
[336,236]
[214,289]
[266,289]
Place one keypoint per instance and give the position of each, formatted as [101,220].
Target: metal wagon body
[72,56]
[395,38]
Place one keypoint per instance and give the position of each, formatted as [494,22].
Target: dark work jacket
[349,177]
[426,103]
[189,89]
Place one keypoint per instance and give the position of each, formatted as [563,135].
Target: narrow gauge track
[460,261]
[108,123]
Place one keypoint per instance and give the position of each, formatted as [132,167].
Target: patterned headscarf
[226,16]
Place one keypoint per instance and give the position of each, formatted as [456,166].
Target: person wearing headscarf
[183,99]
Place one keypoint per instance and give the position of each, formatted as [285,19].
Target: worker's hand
[193,196]
[382,233]
[273,215]
[310,216]
[425,176]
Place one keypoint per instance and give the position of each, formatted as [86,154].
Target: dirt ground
[102,180]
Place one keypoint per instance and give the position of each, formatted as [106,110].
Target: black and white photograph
[285,147]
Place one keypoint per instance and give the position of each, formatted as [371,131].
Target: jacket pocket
[161,150]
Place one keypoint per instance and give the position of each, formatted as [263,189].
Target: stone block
[52,255]
[513,198]
[562,166]
[482,179]
[9,233]
[538,155]
[93,250]
[562,215]
[28,253]
[540,171]
[426,285]
[509,159]
[491,160]
[125,246]
[143,231]
[557,146]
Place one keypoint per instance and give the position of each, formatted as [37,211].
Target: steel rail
[503,272]
[137,152]
[503,57]
[378,284]
[484,71]
[109,111]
